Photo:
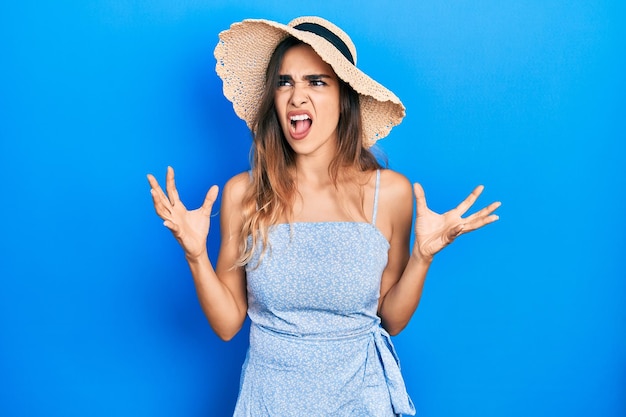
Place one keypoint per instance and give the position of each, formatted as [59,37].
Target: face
[307,101]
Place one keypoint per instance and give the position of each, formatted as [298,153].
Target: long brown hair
[272,192]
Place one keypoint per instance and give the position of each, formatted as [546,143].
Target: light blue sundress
[316,345]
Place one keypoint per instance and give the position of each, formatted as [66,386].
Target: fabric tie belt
[385,354]
[400,400]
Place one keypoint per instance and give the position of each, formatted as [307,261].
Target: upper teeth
[300,117]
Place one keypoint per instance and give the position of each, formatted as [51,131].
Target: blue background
[98,314]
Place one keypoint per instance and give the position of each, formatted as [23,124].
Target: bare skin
[222,291]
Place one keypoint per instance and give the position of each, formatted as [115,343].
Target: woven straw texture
[243,53]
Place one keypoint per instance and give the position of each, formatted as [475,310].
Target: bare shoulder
[235,189]
[231,212]
[395,188]
[395,205]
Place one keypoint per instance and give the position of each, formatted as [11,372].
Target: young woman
[315,237]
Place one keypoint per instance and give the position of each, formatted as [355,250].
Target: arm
[403,279]
[221,291]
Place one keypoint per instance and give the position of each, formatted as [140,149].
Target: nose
[299,94]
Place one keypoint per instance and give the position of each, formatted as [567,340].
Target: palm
[189,227]
[435,231]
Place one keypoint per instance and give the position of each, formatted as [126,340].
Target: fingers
[420,198]
[170,185]
[160,200]
[154,184]
[478,223]
[481,218]
[469,200]
[172,226]
[165,204]
[161,204]
[209,200]
[485,211]
[156,188]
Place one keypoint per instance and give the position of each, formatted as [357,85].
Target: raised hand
[189,227]
[435,231]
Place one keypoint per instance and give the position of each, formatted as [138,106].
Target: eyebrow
[306,77]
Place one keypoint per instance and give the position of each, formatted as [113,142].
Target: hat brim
[243,53]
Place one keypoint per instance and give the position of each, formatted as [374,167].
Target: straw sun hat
[243,53]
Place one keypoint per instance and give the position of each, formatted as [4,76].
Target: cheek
[330,102]
[333,111]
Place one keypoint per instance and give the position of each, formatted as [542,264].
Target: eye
[284,82]
[317,82]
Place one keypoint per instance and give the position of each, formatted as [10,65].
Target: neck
[313,169]
[313,174]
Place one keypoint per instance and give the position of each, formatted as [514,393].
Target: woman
[315,237]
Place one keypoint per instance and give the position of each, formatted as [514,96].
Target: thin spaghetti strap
[376,197]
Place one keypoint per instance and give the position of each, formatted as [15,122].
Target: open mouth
[300,124]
